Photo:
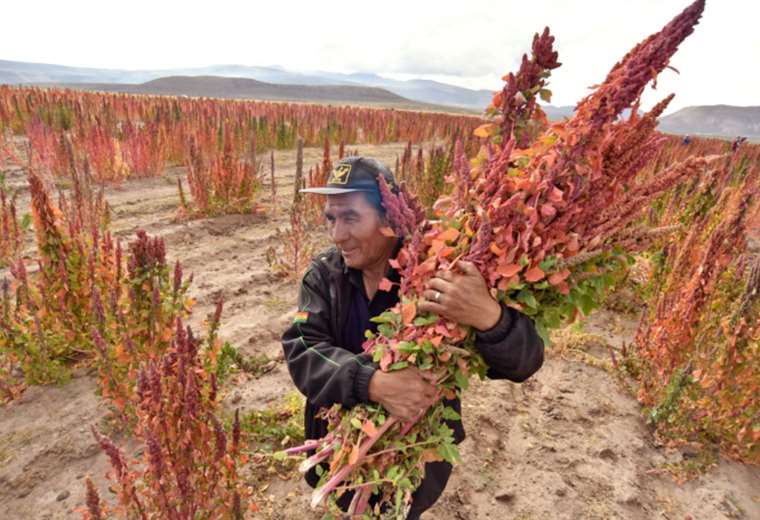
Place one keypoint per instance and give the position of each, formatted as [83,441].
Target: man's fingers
[434,296]
[429,306]
[439,284]
[445,275]
[468,267]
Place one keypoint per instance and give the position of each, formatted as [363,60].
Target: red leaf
[408,311]
[388,232]
[386,360]
[555,195]
[369,428]
[508,270]
[449,235]
[558,277]
[534,275]
[485,130]
[548,211]
[446,251]
[385,285]
[497,250]
[441,329]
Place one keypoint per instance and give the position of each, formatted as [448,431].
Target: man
[339,294]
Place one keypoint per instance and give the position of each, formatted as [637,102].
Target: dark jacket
[326,373]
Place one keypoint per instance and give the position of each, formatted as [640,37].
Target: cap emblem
[340,174]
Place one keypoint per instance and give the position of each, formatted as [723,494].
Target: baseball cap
[354,174]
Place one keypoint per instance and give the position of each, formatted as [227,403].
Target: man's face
[354,226]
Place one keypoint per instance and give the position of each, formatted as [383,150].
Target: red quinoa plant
[137,325]
[220,184]
[543,212]
[191,464]
[701,330]
[11,230]
[86,302]
[48,325]
[298,247]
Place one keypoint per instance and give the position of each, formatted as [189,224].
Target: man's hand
[461,297]
[404,393]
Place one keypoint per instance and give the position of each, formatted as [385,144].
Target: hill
[423,91]
[717,120]
[244,88]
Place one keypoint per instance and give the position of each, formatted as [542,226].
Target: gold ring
[437,296]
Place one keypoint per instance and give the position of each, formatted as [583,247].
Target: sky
[471,44]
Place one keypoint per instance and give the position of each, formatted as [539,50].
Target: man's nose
[339,232]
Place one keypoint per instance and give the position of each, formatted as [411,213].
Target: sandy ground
[568,444]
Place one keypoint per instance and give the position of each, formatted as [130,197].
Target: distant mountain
[244,88]
[21,72]
[427,90]
[558,113]
[424,91]
[717,120]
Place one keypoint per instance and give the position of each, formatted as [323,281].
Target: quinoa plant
[136,325]
[700,330]
[221,183]
[11,229]
[191,465]
[297,246]
[48,326]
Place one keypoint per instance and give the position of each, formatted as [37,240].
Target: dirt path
[570,443]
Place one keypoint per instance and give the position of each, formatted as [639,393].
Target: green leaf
[386,330]
[422,321]
[356,423]
[279,455]
[449,452]
[408,347]
[552,318]
[399,365]
[587,304]
[26,221]
[543,333]
[450,413]
[461,380]
[546,95]
[525,296]
[548,263]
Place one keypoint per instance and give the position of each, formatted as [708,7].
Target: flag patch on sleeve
[301,317]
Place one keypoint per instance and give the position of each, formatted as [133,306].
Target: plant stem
[320,493]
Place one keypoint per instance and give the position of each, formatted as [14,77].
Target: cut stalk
[320,493]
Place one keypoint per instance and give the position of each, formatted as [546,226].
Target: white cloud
[468,44]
